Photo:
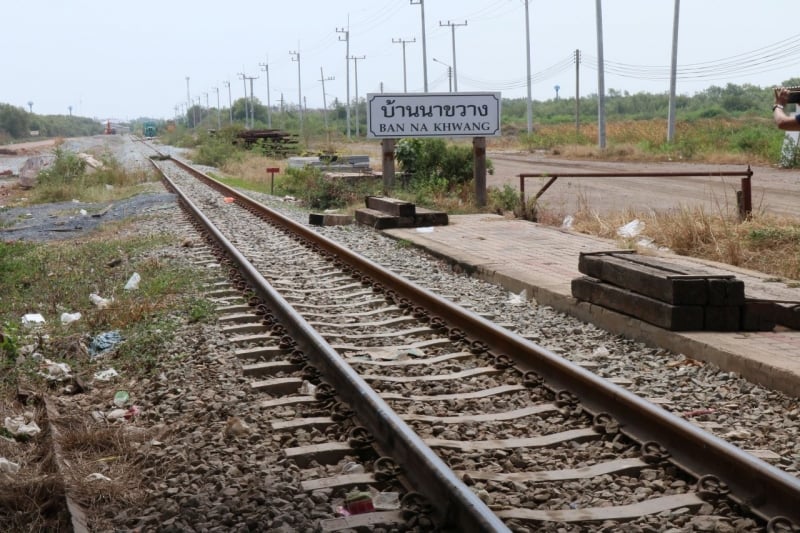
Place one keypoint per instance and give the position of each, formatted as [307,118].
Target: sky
[125,60]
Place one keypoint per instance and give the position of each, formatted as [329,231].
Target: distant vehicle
[149,129]
[109,129]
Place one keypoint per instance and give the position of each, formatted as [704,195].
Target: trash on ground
[99,301]
[426,229]
[106,375]
[632,229]
[358,502]
[121,398]
[133,412]
[67,318]
[32,319]
[352,468]
[386,501]
[53,371]
[601,351]
[117,414]
[228,200]
[17,426]
[97,477]
[7,467]
[567,222]
[236,427]
[103,342]
[133,282]
[517,299]
[83,212]
[307,388]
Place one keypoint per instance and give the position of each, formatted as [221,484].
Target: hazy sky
[115,59]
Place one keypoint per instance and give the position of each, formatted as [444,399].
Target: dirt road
[774,191]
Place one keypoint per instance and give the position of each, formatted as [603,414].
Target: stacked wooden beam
[661,293]
[382,212]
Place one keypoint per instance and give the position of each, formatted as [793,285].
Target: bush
[67,168]
[432,164]
[320,192]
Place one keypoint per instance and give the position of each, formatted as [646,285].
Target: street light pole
[453,31]
[449,74]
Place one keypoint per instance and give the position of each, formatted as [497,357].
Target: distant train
[149,130]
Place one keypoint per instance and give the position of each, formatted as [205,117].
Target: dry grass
[764,243]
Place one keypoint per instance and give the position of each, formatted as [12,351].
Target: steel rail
[463,510]
[768,491]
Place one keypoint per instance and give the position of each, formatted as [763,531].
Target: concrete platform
[518,255]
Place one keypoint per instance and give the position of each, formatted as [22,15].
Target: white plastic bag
[133,282]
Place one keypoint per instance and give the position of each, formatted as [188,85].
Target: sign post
[272,171]
[395,115]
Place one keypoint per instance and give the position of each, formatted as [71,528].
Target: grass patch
[765,243]
[56,278]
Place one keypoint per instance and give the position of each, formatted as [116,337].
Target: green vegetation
[16,123]
[317,191]
[55,278]
[69,176]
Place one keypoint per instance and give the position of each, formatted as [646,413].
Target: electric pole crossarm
[346,38]
[453,26]
[404,42]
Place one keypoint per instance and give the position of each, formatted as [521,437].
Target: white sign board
[398,115]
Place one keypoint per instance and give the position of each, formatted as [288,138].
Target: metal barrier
[743,197]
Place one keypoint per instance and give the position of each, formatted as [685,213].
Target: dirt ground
[773,190]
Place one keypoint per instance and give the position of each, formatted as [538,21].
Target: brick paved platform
[543,260]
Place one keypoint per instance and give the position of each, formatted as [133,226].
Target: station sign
[396,115]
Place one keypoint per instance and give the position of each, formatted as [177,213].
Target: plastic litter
[308,388]
[32,319]
[116,414]
[632,229]
[121,398]
[386,501]
[133,412]
[133,282]
[352,468]
[426,229]
[83,212]
[8,467]
[517,299]
[106,375]
[103,342]
[228,200]
[53,371]
[97,477]
[99,301]
[601,351]
[567,222]
[17,426]
[67,318]
[358,502]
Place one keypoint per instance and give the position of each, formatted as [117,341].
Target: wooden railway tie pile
[670,296]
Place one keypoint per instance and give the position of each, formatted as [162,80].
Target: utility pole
[453,31]
[355,64]
[244,84]
[296,57]
[449,74]
[528,66]
[188,99]
[219,122]
[346,39]
[252,102]
[673,74]
[403,42]
[601,82]
[323,79]
[265,68]
[424,48]
[230,104]
[577,91]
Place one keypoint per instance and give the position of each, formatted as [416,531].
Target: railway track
[492,421]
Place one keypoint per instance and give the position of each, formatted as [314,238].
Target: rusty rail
[743,197]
